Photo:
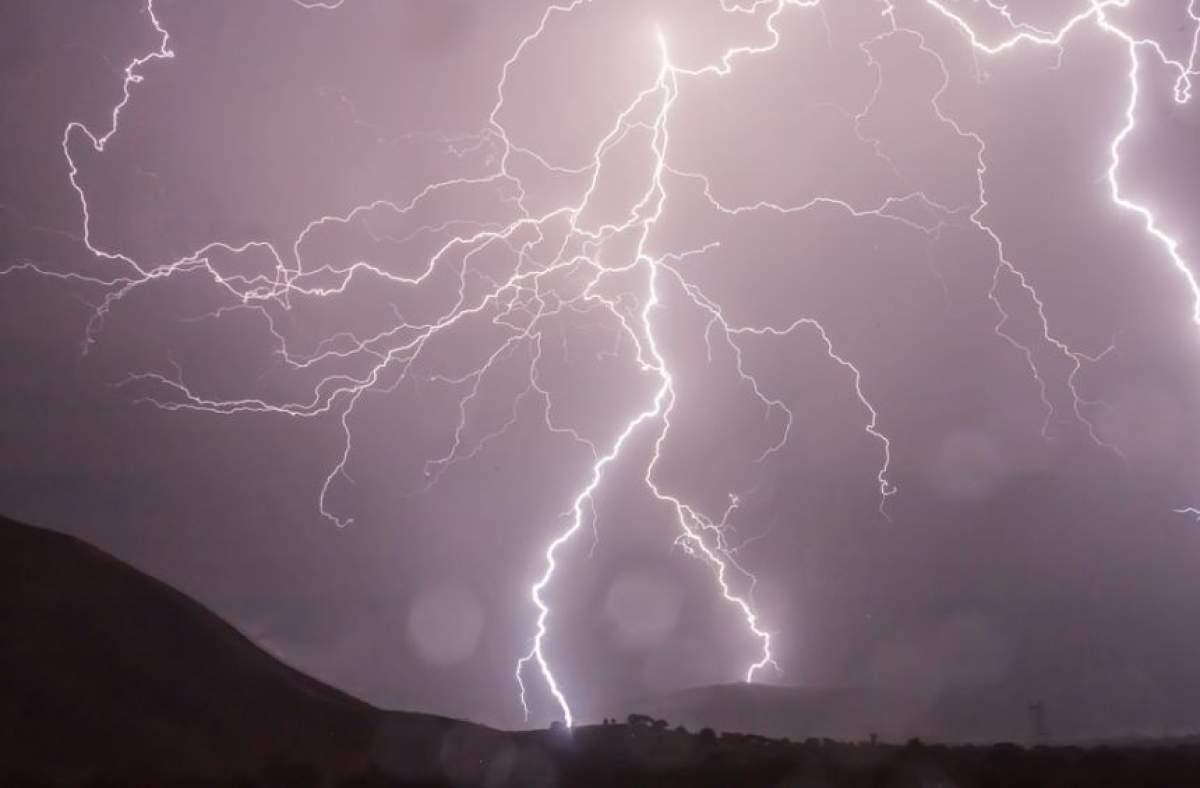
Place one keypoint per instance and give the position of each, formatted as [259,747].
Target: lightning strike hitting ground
[523,303]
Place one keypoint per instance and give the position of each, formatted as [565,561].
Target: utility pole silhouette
[1038,729]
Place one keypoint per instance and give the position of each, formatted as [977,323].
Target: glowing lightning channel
[650,359]
[517,304]
[692,524]
[1004,265]
[132,76]
[1097,11]
[521,303]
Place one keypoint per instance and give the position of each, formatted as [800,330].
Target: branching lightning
[1096,12]
[523,303]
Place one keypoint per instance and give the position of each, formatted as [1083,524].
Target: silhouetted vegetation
[649,755]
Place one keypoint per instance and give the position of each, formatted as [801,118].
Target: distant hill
[979,715]
[104,669]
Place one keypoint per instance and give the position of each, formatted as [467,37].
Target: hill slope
[105,669]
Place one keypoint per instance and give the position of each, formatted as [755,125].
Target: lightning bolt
[1096,12]
[555,271]
[693,525]
[649,209]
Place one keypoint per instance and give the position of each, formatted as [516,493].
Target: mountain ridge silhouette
[105,669]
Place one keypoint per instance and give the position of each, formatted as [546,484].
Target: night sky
[355,438]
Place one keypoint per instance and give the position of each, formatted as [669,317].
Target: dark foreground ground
[620,755]
[111,678]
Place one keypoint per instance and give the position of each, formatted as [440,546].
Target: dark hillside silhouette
[104,669]
[109,678]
